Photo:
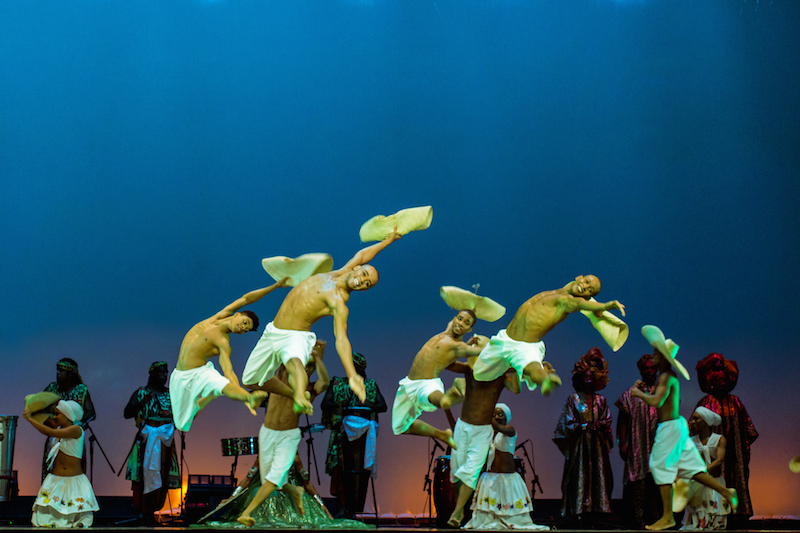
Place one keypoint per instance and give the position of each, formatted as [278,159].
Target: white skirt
[64,502]
[501,501]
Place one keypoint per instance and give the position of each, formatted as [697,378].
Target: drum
[444,492]
[8,429]
[240,446]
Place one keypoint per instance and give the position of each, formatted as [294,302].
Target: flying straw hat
[666,346]
[297,269]
[613,330]
[36,403]
[794,464]
[407,220]
[483,307]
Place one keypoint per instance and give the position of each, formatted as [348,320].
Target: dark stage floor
[117,513]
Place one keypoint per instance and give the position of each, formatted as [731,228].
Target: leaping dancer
[520,345]
[195,381]
[288,339]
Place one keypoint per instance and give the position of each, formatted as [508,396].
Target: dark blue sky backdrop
[151,154]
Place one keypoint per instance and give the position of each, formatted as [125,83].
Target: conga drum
[444,492]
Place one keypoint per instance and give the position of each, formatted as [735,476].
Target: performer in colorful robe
[66,498]
[583,435]
[718,377]
[636,431]
[153,461]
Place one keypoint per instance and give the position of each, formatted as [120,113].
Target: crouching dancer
[66,498]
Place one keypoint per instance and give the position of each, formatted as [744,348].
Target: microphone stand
[535,481]
[310,448]
[92,440]
[428,482]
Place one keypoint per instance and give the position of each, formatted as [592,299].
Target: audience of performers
[351,458]
[706,508]
[501,498]
[153,460]
[636,430]
[717,377]
[583,434]
[69,385]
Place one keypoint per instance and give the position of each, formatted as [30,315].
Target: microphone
[522,445]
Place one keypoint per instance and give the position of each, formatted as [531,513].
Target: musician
[352,423]
[153,459]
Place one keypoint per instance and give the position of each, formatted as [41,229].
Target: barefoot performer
[280,435]
[194,381]
[673,454]
[423,390]
[520,345]
[474,429]
[288,339]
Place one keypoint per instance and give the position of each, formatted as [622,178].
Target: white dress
[710,508]
[501,501]
[65,501]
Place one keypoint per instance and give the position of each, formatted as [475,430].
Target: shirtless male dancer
[520,345]
[423,390]
[280,435]
[674,453]
[288,339]
[474,430]
[194,381]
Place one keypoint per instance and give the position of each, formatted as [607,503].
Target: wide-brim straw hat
[297,269]
[36,403]
[407,220]
[613,330]
[666,346]
[483,307]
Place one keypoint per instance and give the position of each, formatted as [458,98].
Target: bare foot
[449,441]
[302,404]
[453,396]
[255,399]
[733,499]
[664,523]
[296,493]
[456,518]
[551,383]
[246,520]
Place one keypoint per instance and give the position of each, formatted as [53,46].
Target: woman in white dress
[66,498]
[501,499]
[706,508]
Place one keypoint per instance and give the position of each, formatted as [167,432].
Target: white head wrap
[71,410]
[711,418]
[506,411]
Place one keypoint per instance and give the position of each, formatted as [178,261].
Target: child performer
[673,453]
[66,498]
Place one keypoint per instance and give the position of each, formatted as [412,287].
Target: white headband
[71,410]
[711,418]
[506,411]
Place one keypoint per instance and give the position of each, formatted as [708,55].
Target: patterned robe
[739,431]
[154,407]
[585,442]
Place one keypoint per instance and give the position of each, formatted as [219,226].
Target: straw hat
[613,330]
[794,464]
[484,308]
[36,403]
[297,269]
[407,220]
[666,346]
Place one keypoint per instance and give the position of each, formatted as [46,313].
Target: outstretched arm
[345,350]
[249,298]
[574,303]
[225,363]
[365,255]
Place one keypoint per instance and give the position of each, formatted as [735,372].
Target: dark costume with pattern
[583,434]
[641,499]
[345,460]
[717,377]
[79,393]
